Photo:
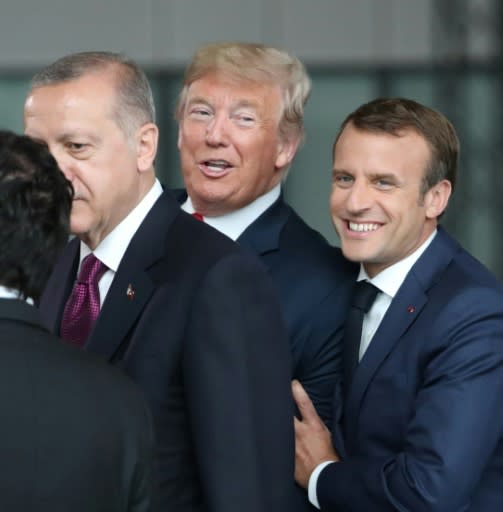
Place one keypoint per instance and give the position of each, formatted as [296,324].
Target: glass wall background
[471,96]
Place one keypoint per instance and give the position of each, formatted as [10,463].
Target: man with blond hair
[241,121]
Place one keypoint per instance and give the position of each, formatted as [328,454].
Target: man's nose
[216,131]
[359,197]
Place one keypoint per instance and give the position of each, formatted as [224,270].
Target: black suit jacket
[75,434]
[314,282]
[202,336]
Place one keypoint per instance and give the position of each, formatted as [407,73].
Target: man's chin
[77,229]
[357,254]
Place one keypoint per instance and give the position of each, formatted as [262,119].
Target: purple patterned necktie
[83,305]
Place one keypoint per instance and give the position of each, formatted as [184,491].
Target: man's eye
[384,183]
[199,113]
[76,146]
[244,119]
[343,179]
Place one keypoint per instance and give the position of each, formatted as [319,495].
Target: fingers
[306,407]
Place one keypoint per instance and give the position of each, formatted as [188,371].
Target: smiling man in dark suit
[75,434]
[419,424]
[187,314]
[241,116]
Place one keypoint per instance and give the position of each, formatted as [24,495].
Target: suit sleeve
[319,366]
[237,378]
[456,425]
[140,423]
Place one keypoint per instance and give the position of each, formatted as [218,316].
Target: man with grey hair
[76,434]
[187,314]
[241,117]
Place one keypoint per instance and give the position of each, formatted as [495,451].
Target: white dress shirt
[112,248]
[388,281]
[11,293]
[234,223]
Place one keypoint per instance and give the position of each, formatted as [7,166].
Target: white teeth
[217,164]
[357,226]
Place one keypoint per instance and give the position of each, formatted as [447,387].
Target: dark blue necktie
[363,298]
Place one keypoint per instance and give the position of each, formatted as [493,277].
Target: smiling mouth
[215,168]
[362,227]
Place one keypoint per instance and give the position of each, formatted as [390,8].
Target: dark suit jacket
[202,336]
[424,414]
[315,283]
[75,434]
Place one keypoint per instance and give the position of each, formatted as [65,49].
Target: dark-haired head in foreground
[35,203]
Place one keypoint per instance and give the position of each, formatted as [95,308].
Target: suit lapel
[402,312]
[404,309]
[132,285]
[59,286]
[263,235]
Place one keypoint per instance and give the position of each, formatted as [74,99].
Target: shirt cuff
[313,481]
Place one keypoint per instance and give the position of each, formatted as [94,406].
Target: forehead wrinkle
[198,99]
[238,103]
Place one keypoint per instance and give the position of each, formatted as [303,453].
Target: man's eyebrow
[336,170]
[380,175]
[197,99]
[246,103]
[77,134]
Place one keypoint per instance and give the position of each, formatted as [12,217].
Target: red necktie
[83,305]
[198,216]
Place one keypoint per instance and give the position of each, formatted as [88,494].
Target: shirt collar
[234,223]
[390,279]
[112,248]
[11,293]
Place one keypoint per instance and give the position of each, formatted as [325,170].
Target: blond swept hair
[256,63]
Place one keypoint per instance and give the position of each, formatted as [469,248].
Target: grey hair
[135,103]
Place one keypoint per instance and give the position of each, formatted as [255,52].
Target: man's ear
[286,151]
[146,146]
[437,198]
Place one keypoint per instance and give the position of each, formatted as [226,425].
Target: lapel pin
[411,309]
[130,292]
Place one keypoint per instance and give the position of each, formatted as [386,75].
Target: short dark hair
[135,103]
[35,205]
[396,115]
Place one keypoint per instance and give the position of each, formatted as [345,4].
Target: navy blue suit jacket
[202,337]
[315,283]
[423,419]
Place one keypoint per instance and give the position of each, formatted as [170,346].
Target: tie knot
[364,296]
[91,269]
[198,216]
